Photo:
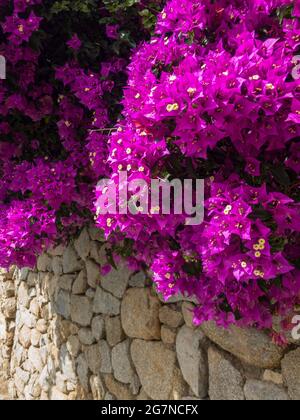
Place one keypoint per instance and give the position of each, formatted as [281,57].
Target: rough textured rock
[97,388]
[71,264]
[271,376]
[80,284]
[34,356]
[105,356]
[98,328]
[264,391]
[225,381]
[121,364]
[81,311]
[114,330]
[169,317]
[168,335]
[105,303]
[140,314]
[63,304]
[82,244]
[249,345]
[192,360]
[188,314]
[291,373]
[137,280]
[86,337]
[116,281]
[156,367]
[120,391]
[93,273]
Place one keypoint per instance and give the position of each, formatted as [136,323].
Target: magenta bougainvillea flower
[57,107]
[213,95]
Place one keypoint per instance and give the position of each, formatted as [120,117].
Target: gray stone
[188,314]
[93,274]
[71,263]
[90,293]
[116,281]
[291,373]
[98,328]
[225,381]
[86,337]
[44,263]
[138,280]
[121,364]
[156,368]
[65,282]
[169,317]
[82,244]
[264,391]
[114,330]
[140,314]
[192,359]
[105,356]
[93,358]
[80,284]
[66,363]
[105,303]
[82,371]
[57,266]
[63,304]
[249,345]
[81,311]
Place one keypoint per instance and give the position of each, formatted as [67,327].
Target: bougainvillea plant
[215,95]
[66,63]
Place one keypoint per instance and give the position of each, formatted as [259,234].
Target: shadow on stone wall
[67,334]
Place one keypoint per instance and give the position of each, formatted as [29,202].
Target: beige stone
[25,337]
[81,311]
[35,338]
[167,316]
[80,284]
[157,370]
[120,391]
[188,314]
[271,376]
[225,381]
[42,326]
[249,345]
[291,373]
[114,330]
[93,273]
[140,314]
[168,335]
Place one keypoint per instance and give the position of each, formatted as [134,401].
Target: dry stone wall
[67,333]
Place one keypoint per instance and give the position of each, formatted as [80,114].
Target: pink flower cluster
[54,122]
[213,96]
